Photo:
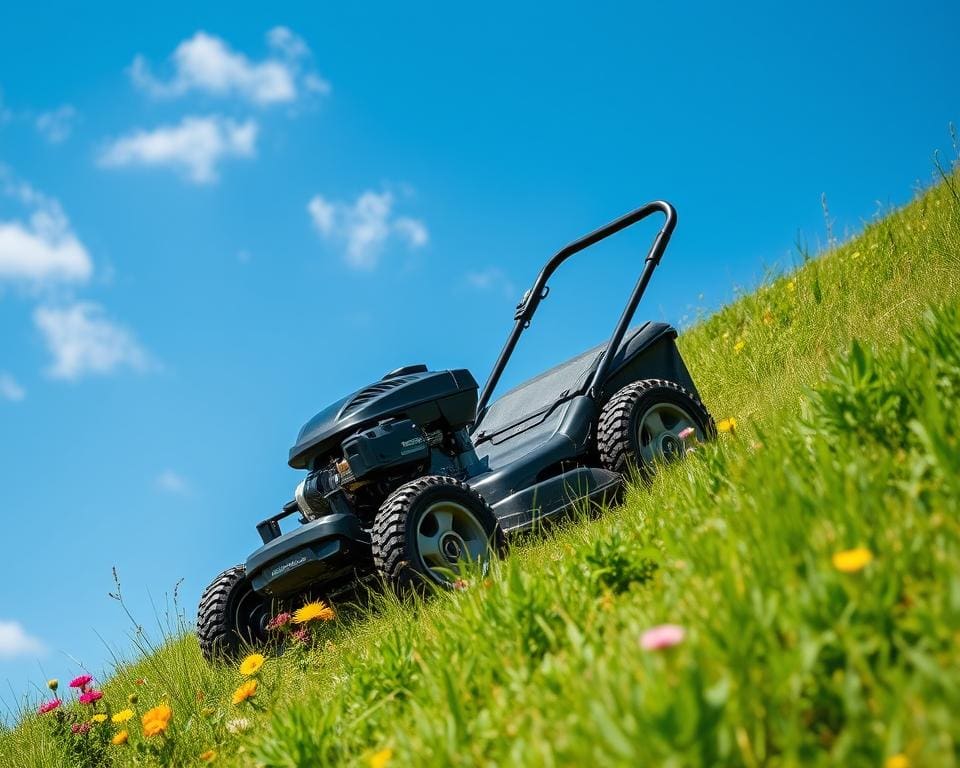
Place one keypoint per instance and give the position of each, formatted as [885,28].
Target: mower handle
[532,298]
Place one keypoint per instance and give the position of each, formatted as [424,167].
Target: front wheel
[231,616]
[428,527]
[649,422]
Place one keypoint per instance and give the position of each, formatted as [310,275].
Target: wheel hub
[670,446]
[452,546]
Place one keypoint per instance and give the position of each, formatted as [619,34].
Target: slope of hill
[809,560]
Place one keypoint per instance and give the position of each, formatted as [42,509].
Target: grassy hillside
[844,385]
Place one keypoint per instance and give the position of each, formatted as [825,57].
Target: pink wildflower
[91,697]
[301,635]
[683,434]
[81,682]
[48,706]
[80,727]
[662,636]
[280,621]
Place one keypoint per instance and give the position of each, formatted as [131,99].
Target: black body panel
[316,551]
[550,419]
[425,397]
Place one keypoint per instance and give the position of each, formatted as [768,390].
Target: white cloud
[10,388]
[169,481]
[57,125]
[207,64]
[83,341]
[194,147]
[285,41]
[491,279]
[43,249]
[14,641]
[364,226]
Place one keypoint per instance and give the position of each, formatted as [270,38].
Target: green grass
[844,383]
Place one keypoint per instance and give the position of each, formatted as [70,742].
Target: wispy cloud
[364,226]
[10,388]
[194,147]
[171,482]
[15,641]
[56,125]
[206,64]
[491,279]
[42,249]
[82,341]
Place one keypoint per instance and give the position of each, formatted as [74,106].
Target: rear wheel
[231,616]
[649,422]
[428,527]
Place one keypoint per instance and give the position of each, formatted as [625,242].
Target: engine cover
[428,398]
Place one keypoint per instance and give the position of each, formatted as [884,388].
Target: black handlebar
[532,298]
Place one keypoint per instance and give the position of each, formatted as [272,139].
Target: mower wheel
[427,527]
[648,422]
[231,616]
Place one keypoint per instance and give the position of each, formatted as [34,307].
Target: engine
[360,449]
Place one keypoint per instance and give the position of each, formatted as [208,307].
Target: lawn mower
[410,477]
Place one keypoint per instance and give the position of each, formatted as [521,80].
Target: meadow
[805,566]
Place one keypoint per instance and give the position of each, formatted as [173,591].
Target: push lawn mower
[413,474]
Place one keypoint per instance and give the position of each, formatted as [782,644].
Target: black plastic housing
[428,398]
[389,444]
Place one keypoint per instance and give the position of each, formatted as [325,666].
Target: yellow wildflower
[99,718]
[728,424]
[209,756]
[246,691]
[381,758]
[792,286]
[156,720]
[251,665]
[120,738]
[313,611]
[897,761]
[852,560]
[122,716]
[738,347]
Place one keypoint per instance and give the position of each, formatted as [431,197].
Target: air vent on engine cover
[367,394]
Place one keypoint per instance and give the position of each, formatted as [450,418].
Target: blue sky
[213,222]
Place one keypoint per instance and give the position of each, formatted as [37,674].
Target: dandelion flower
[156,720]
[90,697]
[252,664]
[313,612]
[99,718]
[728,424]
[81,682]
[246,691]
[121,737]
[792,286]
[738,347]
[897,761]
[122,716]
[852,560]
[662,636]
[381,758]
[53,684]
[48,706]
[209,756]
